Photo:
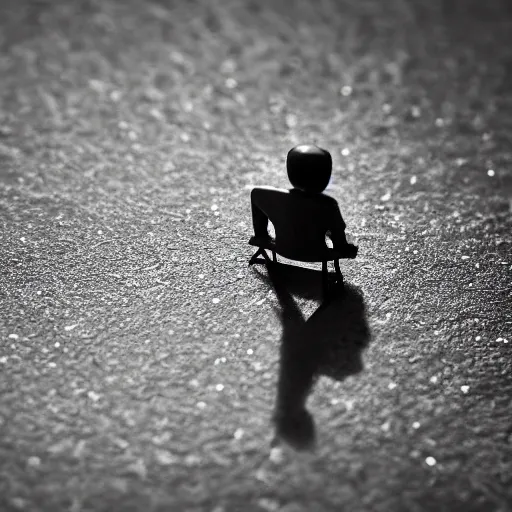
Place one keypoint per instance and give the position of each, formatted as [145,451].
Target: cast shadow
[329,343]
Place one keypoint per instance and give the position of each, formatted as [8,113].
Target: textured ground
[141,361]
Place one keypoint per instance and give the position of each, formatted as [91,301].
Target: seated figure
[303,216]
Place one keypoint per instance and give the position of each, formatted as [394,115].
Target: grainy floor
[141,361]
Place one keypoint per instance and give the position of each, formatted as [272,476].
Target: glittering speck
[465,389]
[291,120]
[386,196]
[433,379]
[219,387]
[34,462]
[392,385]
[239,433]
[276,455]
[345,151]
[416,425]
[269,505]
[415,111]
[430,461]
[165,458]
[93,396]
[215,300]
[413,180]
[214,207]
[250,351]
[192,459]
[349,404]
[231,83]
[200,405]
[13,336]
[70,327]
[346,90]
[491,173]
[478,338]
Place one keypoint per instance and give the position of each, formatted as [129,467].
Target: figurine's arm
[259,217]
[337,227]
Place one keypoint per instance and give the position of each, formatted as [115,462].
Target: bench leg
[339,275]
[254,259]
[325,281]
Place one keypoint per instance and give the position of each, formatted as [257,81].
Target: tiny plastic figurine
[303,216]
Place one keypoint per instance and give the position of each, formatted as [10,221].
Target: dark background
[130,136]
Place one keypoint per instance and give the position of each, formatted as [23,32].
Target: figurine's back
[301,221]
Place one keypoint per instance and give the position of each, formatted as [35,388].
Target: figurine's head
[309,167]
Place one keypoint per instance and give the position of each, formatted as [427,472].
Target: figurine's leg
[339,275]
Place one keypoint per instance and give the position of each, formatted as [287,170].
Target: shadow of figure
[329,343]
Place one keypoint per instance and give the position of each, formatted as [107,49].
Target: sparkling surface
[118,117]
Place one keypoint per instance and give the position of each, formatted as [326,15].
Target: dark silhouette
[302,217]
[329,343]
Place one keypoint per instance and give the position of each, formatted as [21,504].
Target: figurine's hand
[351,250]
[261,240]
